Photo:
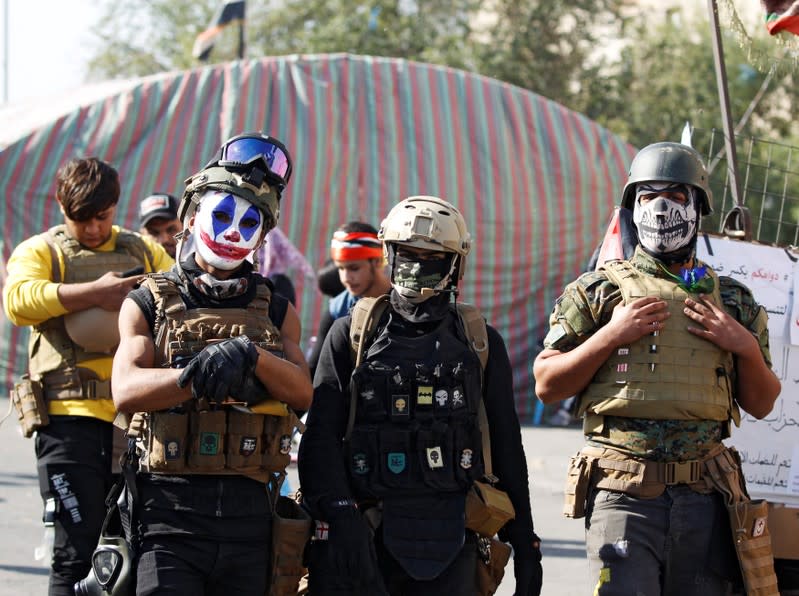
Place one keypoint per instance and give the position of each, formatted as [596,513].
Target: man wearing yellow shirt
[67,284]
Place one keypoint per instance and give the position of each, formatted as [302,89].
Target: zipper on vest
[219,490]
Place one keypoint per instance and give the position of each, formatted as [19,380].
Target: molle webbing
[223,441]
[54,358]
[668,374]
[181,332]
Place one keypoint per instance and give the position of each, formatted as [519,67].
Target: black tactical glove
[527,567]
[220,369]
[351,545]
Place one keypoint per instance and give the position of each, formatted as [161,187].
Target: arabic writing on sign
[768,470]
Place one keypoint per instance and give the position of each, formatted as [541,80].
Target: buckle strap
[680,472]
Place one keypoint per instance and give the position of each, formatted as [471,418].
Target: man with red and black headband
[358,255]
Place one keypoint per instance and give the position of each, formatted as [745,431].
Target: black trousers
[74,464]
[186,564]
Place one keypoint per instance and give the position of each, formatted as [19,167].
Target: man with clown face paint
[663,354]
[228,229]
[212,372]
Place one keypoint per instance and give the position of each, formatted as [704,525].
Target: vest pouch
[396,458]
[244,441]
[578,481]
[167,443]
[436,459]
[28,400]
[291,530]
[492,558]
[752,541]
[487,509]
[370,383]
[362,461]
[207,450]
[277,443]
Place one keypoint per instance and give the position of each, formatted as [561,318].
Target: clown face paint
[227,229]
[664,225]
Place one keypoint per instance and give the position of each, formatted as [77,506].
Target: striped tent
[535,181]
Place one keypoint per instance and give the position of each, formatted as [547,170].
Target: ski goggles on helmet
[245,150]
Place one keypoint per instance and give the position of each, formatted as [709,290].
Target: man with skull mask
[210,364]
[396,439]
[662,353]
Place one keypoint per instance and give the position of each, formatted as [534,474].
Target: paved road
[548,450]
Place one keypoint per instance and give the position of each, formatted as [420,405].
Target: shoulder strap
[477,334]
[365,315]
[48,238]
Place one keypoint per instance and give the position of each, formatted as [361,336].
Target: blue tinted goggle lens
[243,151]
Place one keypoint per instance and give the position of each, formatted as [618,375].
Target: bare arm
[758,386]
[559,375]
[136,385]
[287,380]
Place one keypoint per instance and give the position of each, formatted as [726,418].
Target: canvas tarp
[535,181]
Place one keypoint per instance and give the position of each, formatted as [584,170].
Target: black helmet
[669,162]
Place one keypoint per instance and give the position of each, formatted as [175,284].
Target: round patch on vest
[466,459]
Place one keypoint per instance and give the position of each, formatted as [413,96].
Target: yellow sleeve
[161,260]
[29,295]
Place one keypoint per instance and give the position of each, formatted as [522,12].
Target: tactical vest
[668,374]
[54,358]
[192,439]
[416,442]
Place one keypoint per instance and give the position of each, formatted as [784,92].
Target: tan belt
[644,478]
[69,385]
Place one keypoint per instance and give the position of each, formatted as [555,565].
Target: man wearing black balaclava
[393,440]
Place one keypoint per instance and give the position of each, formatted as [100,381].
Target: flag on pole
[229,12]
[782,15]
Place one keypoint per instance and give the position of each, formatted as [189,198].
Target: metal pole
[729,131]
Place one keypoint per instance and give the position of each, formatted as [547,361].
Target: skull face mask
[665,225]
[228,229]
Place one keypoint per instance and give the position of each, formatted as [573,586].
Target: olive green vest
[193,439]
[53,357]
[669,374]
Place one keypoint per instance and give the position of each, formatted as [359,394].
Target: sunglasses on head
[247,150]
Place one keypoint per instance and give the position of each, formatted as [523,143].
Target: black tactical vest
[416,442]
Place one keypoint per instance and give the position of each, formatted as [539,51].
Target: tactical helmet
[429,223]
[250,185]
[669,162]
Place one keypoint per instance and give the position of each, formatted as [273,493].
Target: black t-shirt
[228,508]
[323,474]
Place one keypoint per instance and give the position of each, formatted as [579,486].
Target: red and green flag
[782,15]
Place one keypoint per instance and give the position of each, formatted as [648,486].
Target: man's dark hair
[357,226]
[87,186]
[328,280]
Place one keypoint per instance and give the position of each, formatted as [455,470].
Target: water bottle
[44,552]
